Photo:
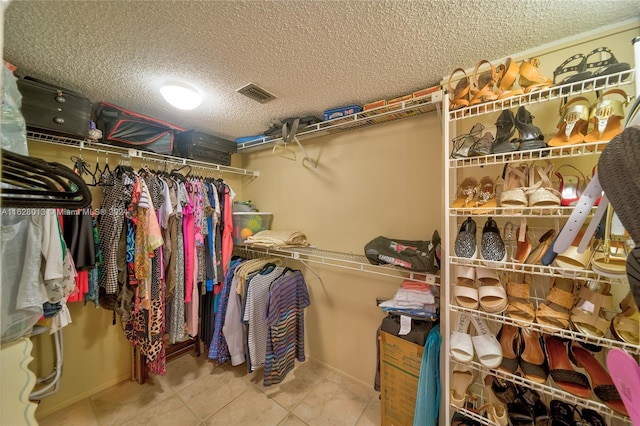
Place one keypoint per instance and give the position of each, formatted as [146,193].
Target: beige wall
[381,180]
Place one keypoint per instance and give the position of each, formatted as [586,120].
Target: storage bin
[246,224]
[330,114]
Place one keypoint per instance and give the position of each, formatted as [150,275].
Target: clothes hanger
[42,195]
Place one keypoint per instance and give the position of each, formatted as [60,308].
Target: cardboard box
[425,92]
[374,105]
[400,362]
[399,100]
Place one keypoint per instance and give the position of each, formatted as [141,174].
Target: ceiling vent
[256,93]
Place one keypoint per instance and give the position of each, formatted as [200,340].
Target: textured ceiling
[313,55]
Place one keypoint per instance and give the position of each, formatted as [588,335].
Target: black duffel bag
[418,256]
[129,129]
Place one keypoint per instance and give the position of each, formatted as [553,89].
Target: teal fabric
[428,398]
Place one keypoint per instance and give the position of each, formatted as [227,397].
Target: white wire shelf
[546,212]
[556,92]
[550,271]
[567,334]
[552,392]
[472,415]
[410,108]
[549,153]
[354,262]
[129,153]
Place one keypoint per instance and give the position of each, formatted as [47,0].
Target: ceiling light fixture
[181,95]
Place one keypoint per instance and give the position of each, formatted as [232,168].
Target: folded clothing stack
[415,299]
[269,238]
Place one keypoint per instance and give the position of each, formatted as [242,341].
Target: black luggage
[133,130]
[200,146]
[51,109]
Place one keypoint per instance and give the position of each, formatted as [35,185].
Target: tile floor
[195,392]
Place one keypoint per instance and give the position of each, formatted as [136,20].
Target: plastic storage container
[246,224]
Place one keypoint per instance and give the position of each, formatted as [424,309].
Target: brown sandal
[560,298]
[519,308]
[482,85]
[460,95]
[588,316]
[625,326]
[507,74]
[531,79]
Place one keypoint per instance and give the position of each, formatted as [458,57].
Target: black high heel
[531,136]
[505,131]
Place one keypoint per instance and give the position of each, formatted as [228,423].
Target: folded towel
[269,238]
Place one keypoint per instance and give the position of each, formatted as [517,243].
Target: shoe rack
[458,120]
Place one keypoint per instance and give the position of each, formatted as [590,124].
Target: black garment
[78,236]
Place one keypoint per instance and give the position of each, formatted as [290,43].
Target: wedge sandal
[465,292]
[561,370]
[462,377]
[459,94]
[507,74]
[515,182]
[607,116]
[533,362]
[509,338]
[560,300]
[588,316]
[518,293]
[531,79]
[483,83]
[541,191]
[575,121]
[491,294]
[625,326]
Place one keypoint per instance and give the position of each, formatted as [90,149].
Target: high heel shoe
[606,116]
[503,142]
[462,144]
[531,79]
[482,146]
[459,95]
[574,123]
[561,370]
[570,186]
[507,74]
[533,362]
[530,136]
[482,84]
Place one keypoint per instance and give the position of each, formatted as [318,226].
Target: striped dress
[284,315]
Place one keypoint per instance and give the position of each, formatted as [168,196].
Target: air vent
[256,93]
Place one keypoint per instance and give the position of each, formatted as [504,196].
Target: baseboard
[339,372]
[67,402]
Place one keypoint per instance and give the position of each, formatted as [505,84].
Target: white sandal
[461,344]
[541,191]
[513,190]
[465,291]
[486,345]
[491,294]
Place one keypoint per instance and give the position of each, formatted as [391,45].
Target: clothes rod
[134,153]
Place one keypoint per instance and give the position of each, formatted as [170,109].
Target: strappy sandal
[588,316]
[533,362]
[467,191]
[482,84]
[505,129]
[482,146]
[459,95]
[543,245]
[608,66]
[606,116]
[486,196]
[541,191]
[625,326]
[491,294]
[509,338]
[465,292]
[610,256]
[562,414]
[531,79]
[570,186]
[462,144]
[561,371]
[591,418]
[518,293]
[530,136]
[515,182]
[578,71]
[507,74]
[560,300]
[574,124]
[601,382]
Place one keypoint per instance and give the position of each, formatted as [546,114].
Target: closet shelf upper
[555,92]
[552,392]
[133,153]
[549,271]
[511,212]
[335,259]
[560,332]
[410,108]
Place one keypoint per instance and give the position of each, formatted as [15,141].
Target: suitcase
[52,109]
[200,146]
[133,130]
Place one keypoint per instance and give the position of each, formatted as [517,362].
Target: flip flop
[561,371]
[602,384]
[625,374]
